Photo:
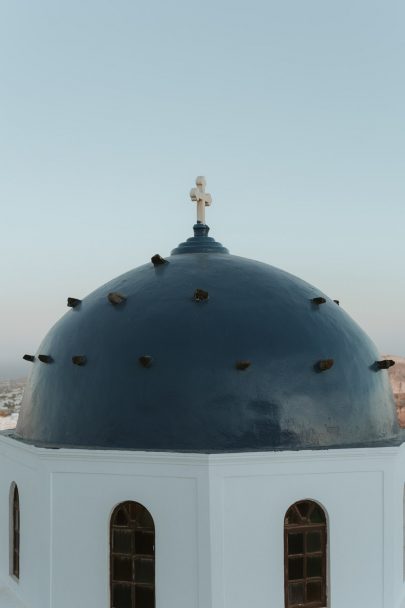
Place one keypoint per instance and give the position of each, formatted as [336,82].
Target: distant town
[11,393]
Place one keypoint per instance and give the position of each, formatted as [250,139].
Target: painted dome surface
[191,396]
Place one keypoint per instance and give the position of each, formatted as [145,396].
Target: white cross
[202,198]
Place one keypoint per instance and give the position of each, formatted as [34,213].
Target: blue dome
[208,352]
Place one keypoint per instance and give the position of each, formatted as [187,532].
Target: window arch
[132,557]
[14,541]
[305,555]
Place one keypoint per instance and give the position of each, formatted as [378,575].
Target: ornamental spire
[202,198]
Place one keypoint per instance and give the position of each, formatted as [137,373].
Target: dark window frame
[310,520]
[14,531]
[132,557]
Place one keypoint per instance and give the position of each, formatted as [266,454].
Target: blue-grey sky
[294,111]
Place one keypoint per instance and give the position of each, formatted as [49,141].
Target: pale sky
[293,110]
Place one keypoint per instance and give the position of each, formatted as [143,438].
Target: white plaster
[9,600]
[218,520]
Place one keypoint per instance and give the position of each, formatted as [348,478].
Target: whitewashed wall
[349,487]
[398,529]
[20,465]
[219,524]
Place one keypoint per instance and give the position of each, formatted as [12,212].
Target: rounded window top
[305,512]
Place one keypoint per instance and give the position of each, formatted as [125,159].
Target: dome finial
[202,198]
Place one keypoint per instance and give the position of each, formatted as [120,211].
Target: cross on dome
[202,198]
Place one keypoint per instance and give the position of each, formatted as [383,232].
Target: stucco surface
[219,522]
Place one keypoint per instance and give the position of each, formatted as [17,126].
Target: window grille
[305,556]
[14,531]
[132,557]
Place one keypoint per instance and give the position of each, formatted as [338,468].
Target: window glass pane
[144,597]
[317,515]
[145,519]
[292,516]
[303,508]
[16,533]
[132,561]
[314,591]
[314,566]
[295,593]
[140,515]
[122,597]
[305,555]
[122,569]
[16,564]
[313,541]
[144,570]
[122,541]
[295,543]
[295,568]
[144,543]
[120,518]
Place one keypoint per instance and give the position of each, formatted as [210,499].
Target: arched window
[132,557]
[14,531]
[305,556]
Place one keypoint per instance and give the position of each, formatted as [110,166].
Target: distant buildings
[397,378]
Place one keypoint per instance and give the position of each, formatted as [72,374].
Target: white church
[204,431]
